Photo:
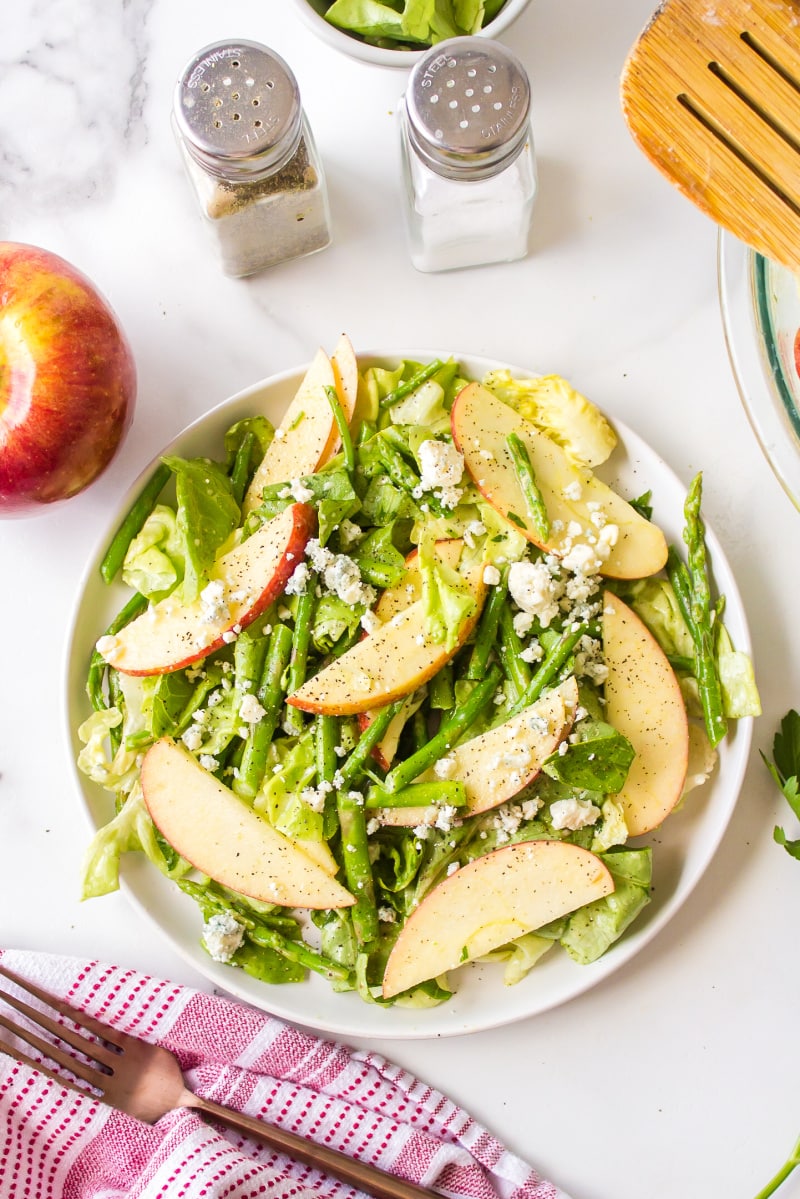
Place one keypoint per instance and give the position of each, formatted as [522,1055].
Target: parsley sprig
[785,769]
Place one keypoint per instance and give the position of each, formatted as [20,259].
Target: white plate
[683,848]
[760,302]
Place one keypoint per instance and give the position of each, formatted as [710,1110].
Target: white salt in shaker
[250,156]
[468,162]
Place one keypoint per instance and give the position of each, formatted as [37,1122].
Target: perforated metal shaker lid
[237,107]
[467,105]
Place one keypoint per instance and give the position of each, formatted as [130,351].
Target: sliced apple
[574,498]
[385,750]
[308,430]
[345,369]
[391,662]
[489,902]
[227,840]
[171,634]
[495,766]
[644,701]
[319,853]
[391,601]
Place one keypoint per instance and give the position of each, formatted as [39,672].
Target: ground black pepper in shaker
[250,156]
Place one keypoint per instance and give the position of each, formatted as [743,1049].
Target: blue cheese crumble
[222,936]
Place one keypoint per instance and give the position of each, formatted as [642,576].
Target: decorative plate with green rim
[760,303]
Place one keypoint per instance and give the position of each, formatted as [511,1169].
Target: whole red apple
[67,380]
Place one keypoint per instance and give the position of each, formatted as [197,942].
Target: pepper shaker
[467,154]
[250,156]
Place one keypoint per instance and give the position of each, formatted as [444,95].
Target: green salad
[411,24]
[401,684]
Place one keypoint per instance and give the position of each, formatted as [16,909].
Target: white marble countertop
[678,1074]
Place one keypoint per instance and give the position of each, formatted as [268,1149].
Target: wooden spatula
[711,94]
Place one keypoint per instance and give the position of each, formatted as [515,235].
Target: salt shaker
[467,153]
[250,156]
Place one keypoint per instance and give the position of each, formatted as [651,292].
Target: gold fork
[146,1082]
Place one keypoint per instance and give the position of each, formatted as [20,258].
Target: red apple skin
[304,525]
[67,380]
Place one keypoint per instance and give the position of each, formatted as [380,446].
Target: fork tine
[91,1049]
[83,1070]
[106,1033]
[70,1083]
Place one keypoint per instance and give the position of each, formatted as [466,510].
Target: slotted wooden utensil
[711,94]
[145,1081]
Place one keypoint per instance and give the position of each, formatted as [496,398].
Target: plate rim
[742,286]
[277,998]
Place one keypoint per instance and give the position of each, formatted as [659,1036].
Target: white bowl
[682,847]
[311,12]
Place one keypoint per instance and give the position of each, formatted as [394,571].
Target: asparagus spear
[405,389]
[552,664]
[344,431]
[298,662]
[530,488]
[270,695]
[357,864]
[487,631]
[138,513]
[693,593]
[452,728]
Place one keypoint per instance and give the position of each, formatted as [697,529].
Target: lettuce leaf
[155,561]
[280,798]
[593,928]
[131,829]
[737,679]
[207,515]
[120,772]
[559,411]
[262,432]
[654,601]
[598,761]
[380,563]
[446,598]
[333,618]
[419,22]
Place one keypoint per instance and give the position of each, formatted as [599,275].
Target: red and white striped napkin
[57,1144]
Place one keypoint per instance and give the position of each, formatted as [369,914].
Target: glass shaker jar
[468,162]
[250,156]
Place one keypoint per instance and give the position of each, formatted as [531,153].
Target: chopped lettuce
[739,692]
[447,599]
[559,411]
[593,928]
[414,22]
[333,619]
[131,829]
[171,694]
[520,956]
[611,829]
[379,562]
[93,759]
[290,772]
[207,515]
[331,493]
[120,771]
[654,601]
[423,407]
[702,760]
[155,560]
